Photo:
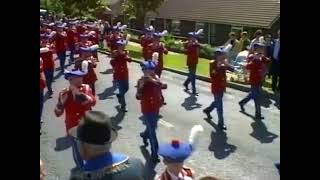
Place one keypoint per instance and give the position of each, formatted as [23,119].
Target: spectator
[275,65]
[269,45]
[95,135]
[244,41]
[258,38]
[232,47]
[269,49]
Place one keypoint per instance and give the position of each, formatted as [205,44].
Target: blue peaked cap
[148,65]
[257,45]
[73,73]
[121,42]
[175,151]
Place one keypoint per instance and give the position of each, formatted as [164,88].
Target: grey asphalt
[247,151]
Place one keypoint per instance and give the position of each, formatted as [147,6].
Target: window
[176,26]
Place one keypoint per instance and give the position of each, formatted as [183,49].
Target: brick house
[216,17]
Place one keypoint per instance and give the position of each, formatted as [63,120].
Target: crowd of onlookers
[272,51]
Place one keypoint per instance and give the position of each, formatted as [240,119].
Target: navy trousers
[191,77]
[151,122]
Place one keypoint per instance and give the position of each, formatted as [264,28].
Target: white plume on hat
[194,135]
[199,31]
[92,33]
[118,24]
[163,33]
[84,66]
[52,34]
[128,38]
[155,56]
[44,50]
[123,27]
[151,28]
[94,47]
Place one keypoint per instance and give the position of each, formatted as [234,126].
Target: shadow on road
[107,93]
[57,76]
[108,71]
[219,145]
[265,101]
[63,143]
[117,119]
[149,171]
[261,133]
[190,103]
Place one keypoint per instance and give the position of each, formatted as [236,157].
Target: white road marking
[165,123]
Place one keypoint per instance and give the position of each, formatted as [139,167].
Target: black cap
[95,127]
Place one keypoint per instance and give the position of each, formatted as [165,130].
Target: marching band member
[149,93]
[42,86]
[71,40]
[192,48]
[46,55]
[256,64]
[175,153]
[218,68]
[145,40]
[87,62]
[60,45]
[120,72]
[157,46]
[75,101]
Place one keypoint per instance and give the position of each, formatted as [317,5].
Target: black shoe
[207,113]
[144,139]
[50,93]
[222,127]
[195,93]
[164,103]
[123,109]
[259,117]
[155,159]
[241,107]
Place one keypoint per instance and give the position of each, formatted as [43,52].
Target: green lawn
[173,60]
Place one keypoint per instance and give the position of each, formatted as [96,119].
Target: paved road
[246,152]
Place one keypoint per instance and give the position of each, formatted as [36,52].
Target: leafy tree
[139,9]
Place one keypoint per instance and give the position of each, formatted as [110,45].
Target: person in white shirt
[258,39]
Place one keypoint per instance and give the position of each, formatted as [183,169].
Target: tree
[84,6]
[139,9]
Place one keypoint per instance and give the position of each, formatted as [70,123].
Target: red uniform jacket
[150,95]
[192,52]
[60,43]
[119,65]
[73,108]
[42,81]
[113,42]
[218,77]
[47,59]
[71,37]
[161,50]
[144,42]
[256,66]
